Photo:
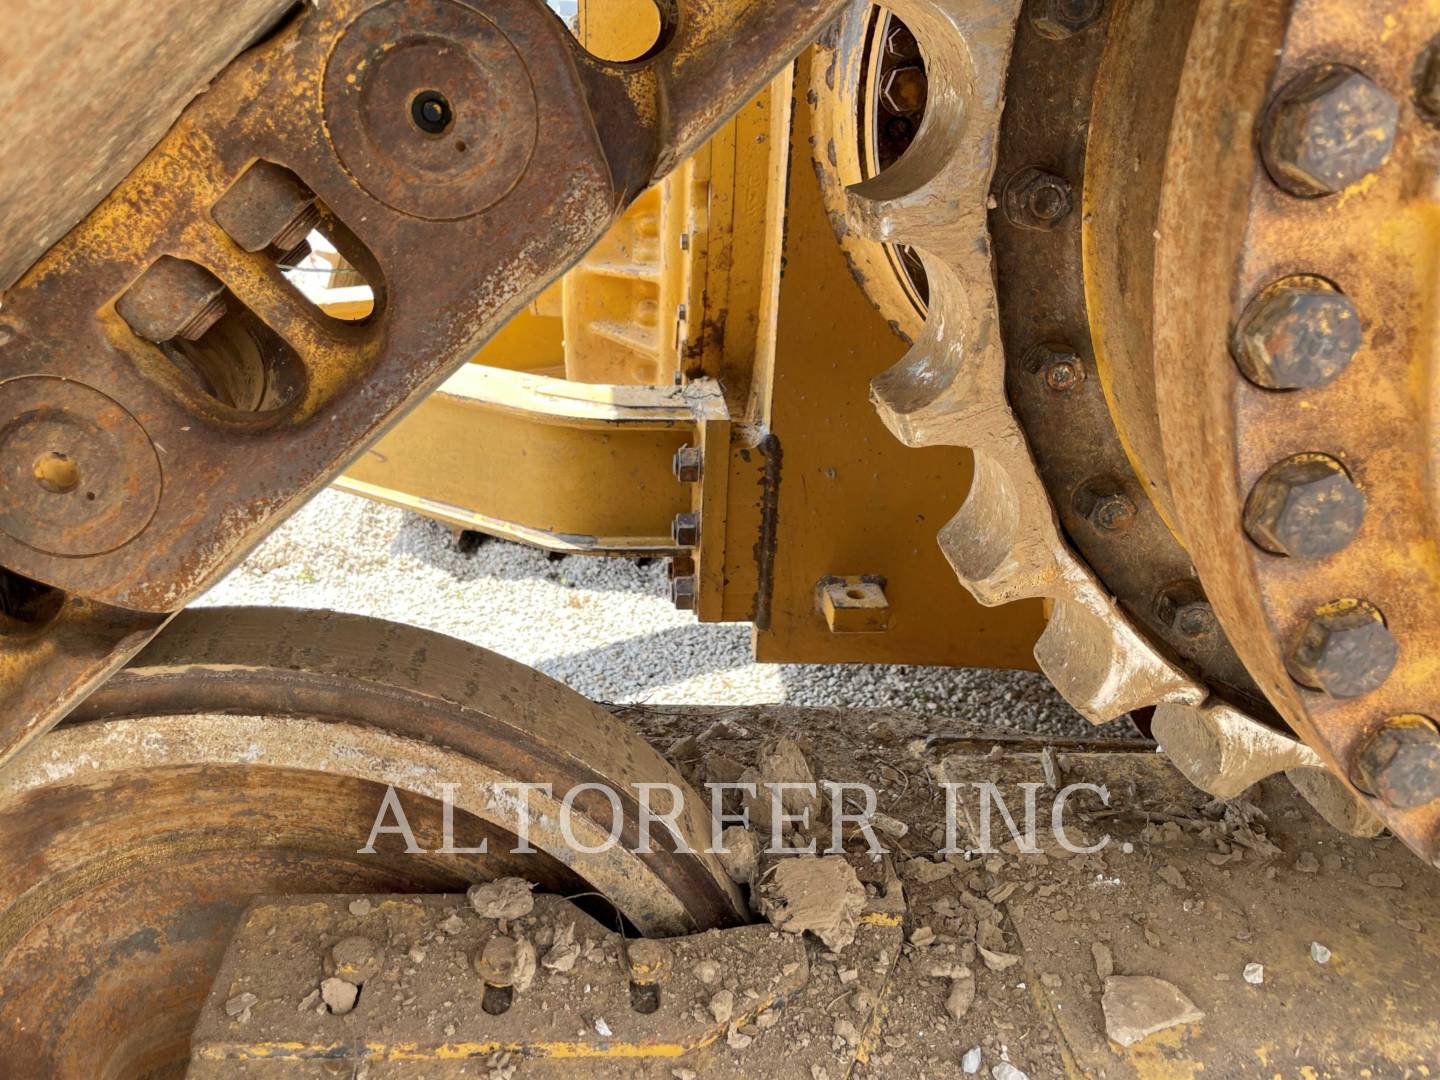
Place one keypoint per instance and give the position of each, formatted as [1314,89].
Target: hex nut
[1297,336]
[905,90]
[688,463]
[1105,508]
[1400,762]
[1306,507]
[1327,129]
[1183,608]
[1344,649]
[1059,19]
[1058,365]
[685,530]
[1037,200]
[682,592]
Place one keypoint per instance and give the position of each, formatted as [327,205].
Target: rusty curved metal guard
[170,397]
[247,751]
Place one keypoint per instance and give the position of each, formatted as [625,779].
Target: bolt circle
[1326,130]
[1305,507]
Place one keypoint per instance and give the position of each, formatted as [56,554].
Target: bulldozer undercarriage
[1166,270]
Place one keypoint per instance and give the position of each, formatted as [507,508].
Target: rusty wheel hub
[247,752]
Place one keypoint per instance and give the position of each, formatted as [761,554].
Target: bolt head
[1328,129]
[687,465]
[1306,507]
[1183,608]
[1297,337]
[1113,513]
[1036,199]
[682,592]
[1344,649]
[900,41]
[685,530]
[1400,762]
[1059,19]
[905,90]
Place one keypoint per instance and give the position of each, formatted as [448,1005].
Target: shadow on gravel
[610,672]
[478,559]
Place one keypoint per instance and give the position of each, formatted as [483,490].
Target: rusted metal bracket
[442,989]
[170,397]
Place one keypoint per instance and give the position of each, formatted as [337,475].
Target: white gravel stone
[606,627]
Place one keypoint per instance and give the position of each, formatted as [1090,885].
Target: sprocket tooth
[996,548]
[937,394]
[1222,751]
[1335,802]
[1100,665]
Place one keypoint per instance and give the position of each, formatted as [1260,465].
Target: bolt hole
[460,146]
[645,998]
[56,473]
[89,496]
[431,113]
[855,594]
[497,1000]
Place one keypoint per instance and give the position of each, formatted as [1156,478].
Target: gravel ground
[604,626]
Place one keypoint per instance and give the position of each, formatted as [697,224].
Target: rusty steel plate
[459,156]
[248,752]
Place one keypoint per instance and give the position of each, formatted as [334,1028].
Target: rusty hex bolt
[647,961]
[682,592]
[173,299]
[900,42]
[267,207]
[1058,19]
[1327,129]
[1297,335]
[1058,365]
[1104,506]
[1344,649]
[1306,507]
[1183,608]
[685,530]
[1400,763]
[688,464]
[1036,199]
[905,90]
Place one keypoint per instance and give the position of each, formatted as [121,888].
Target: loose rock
[1319,953]
[962,995]
[1254,974]
[722,1006]
[739,854]
[822,896]
[970,1062]
[354,959]
[503,898]
[239,1006]
[1137,1006]
[339,996]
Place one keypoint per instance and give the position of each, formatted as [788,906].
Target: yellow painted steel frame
[571,467]
[774,343]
